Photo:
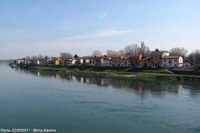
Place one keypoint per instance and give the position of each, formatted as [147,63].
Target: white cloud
[102,16]
[53,48]
[102,33]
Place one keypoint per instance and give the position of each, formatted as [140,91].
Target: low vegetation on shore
[144,73]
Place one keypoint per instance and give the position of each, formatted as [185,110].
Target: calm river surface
[34,99]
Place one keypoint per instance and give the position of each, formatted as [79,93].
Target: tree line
[135,49]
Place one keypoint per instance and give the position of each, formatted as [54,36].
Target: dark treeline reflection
[127,84]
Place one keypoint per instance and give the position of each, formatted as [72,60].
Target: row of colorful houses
[157,59]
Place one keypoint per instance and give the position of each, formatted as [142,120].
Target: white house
[80,62]
[41,62]
[107,62]
[93,61]
[71,62]
[172,61]
[20,61]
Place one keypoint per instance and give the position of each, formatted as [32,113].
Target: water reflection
[66,100]
[142,87]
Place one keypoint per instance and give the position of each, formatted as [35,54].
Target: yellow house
[125,61]
[57,61]
[145,62]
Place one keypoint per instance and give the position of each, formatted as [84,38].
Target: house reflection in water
[87,80]
[82,80]
[102,82]
[73,78]
[140,87]
[180,89]
[57,75]
[38,74]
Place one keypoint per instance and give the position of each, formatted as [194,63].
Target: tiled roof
[116,56]
[145,59]
[170,57]
[126,56]
[156,53]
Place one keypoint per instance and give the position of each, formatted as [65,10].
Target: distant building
[135,60]
[116,61]
[145,62]
[27,61]
[20,61]
[93,61]
[107,61]
[49,62]
[66,62]
[99,60]
[125,60]
[172,61]
[41,62]
[86,61]
[79,61]
[34,61]
[156,58]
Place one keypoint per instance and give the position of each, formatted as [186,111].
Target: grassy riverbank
[145,73]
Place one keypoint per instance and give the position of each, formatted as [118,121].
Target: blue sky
[48,27]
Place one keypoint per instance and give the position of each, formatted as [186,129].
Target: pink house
[73,62]
[172,61]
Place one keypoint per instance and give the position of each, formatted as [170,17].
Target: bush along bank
[143,73]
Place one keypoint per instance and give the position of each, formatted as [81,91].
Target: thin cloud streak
[103,16]
[102,33]
[35,9]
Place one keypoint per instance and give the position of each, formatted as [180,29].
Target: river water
[34,99]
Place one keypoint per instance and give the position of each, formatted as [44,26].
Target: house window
[175,60]
[175,65]
[164,60]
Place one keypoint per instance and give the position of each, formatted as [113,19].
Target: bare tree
[144,50]
[131,49]
[46,57]
[122,52]
[96,53]
[112,52]
[65,55]
[40,57]
[34,57]
[194,57]
[178,51]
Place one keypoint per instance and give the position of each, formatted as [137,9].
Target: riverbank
[143,73]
